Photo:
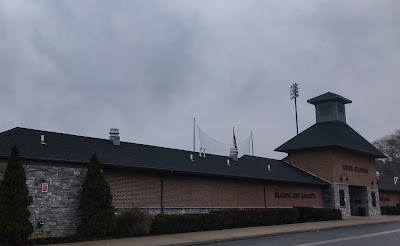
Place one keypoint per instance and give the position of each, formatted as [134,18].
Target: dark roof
[386,183]
[78,149]
[330,134]
[329,96]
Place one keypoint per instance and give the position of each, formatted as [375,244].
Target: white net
[218,148]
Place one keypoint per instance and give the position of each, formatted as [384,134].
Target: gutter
[170,170]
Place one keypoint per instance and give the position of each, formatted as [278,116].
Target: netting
[218,148]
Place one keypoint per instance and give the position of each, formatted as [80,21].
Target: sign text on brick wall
[294,195]
[355,169]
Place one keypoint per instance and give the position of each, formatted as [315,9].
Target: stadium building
[328,165]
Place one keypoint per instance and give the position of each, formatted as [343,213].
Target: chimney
[114,136]
[233,154]
[42,139]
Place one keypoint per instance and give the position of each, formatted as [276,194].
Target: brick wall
[389,198]
[185,191]
[143,190]
[317,162]
[293,196]
[341,158]
[328,164]
[134,190]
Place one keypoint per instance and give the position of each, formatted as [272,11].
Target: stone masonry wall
[331,198]
[57,208]
[371,211]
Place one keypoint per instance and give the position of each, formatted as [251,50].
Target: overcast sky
[148,67]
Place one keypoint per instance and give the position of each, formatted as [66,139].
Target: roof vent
[227,162]
[269,168]
[191,157]
[204,152]
[42,140]
[114,136]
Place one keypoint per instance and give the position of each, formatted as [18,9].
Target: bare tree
[390,146]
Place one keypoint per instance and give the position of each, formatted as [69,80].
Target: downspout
[265,199]
[162,194]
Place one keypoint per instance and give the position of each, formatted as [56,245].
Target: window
[325,109]
[342,201]
[341,109]
[373,199]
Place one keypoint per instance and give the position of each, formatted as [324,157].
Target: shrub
[223,219]
[390,210]
[15,226]
[133,222]
[258,217]
[167,224]
[280,216]
[96,203]
[318,214]
[237,218]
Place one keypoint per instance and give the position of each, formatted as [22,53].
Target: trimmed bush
[167,224]
[133,222]
[223,219]
[237,218]
[258,217]
[390,210]
[15,226]
[318,214]
[96,203]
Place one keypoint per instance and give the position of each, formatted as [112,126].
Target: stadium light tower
[294,94]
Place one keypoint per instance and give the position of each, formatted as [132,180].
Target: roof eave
[389,189]
[168,170]
[289,150]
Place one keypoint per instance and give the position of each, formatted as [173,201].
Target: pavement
[387,234]
[207,237]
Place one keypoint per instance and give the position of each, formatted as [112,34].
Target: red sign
[45,187]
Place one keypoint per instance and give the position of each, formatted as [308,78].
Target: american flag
[234,142]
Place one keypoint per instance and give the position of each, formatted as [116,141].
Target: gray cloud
[149,67]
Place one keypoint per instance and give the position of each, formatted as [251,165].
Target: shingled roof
[329,96]
[61,147]
[330,134]
[386,183]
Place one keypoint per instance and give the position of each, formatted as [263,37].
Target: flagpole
[234,142]
[194,134]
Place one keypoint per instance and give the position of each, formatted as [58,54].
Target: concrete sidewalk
[195,238]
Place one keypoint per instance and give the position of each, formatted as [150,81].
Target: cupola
[330,107]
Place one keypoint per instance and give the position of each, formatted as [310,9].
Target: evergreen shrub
[97,211]
[15,226]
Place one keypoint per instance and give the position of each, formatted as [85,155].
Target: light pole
[294,94]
